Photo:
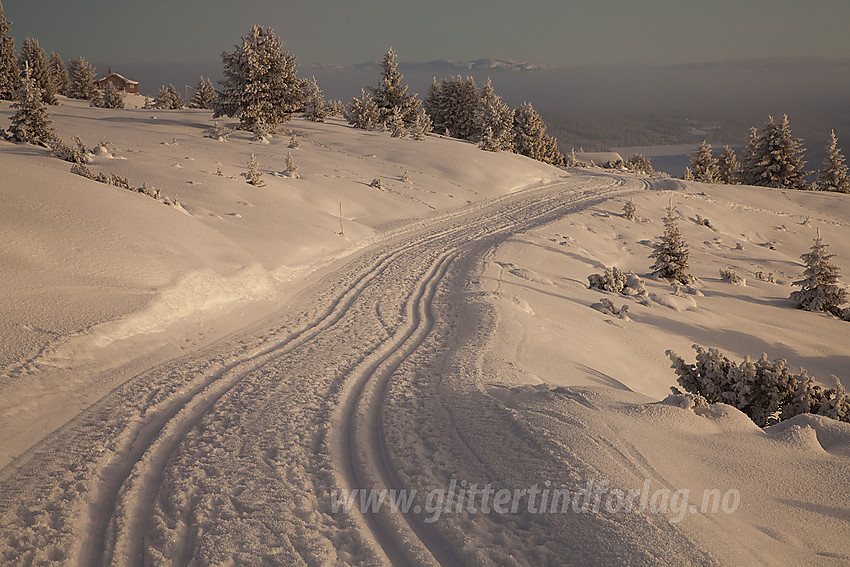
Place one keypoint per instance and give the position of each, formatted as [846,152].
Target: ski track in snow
[232,453]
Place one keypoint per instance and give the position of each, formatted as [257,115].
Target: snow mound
[830,435]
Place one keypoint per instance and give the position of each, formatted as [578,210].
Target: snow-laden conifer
[261,84]
[34,56]
[168,98]
[391,96]
[57,74]
[834,176]
[204,94]
[253,175]
[671,253]
[776,157]
[630,211]
[751,157]
[314,102]
[820,288]
[422,126]
[530,138]
[291,167]
[10,78]
[363,113]
[727,167]
[455,107]
[495,121]
[703,165]
[110,97]
[81,76]
[30,122]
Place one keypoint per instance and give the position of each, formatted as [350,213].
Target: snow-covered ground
[194,384]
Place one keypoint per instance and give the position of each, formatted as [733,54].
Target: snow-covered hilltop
[198,380]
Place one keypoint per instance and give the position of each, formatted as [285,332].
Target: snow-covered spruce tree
[833,176]
[396,125]
[630,211]
[204,94]
[110,97]
[253,175]
[363,112]
[454,105]
[168,98]
[291,167]
[10,78]
[778,157]
[820,290]
[391,96]
[261,85]
[727,167]
[671,253]
[81,75]
[751,157]
[30,123]
[57,74]
[422,126]
[34,56]
[688,175]
[314,102]
[495,121]
[703,165]
[530,138]
[294,142]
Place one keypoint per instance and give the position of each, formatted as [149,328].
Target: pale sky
[547,32]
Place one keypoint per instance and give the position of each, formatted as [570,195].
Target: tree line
[772,158]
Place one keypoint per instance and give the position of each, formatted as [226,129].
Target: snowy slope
[212,373]
[96,275]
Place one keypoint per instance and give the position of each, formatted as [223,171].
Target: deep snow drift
[215,370]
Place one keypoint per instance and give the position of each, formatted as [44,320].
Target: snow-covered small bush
[615,280]
[83,170]
[376,183]
[732,277]
[405,177]
[73,154]
[294,143]
[765,390]
[218,132]
[253,175]
[607,307]
[768,277]
[820,289]
[630,211]
[640,164]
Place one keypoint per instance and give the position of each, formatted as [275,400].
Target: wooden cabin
[121,83]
